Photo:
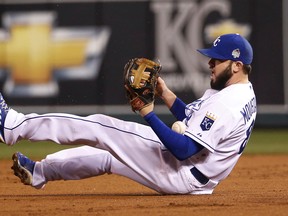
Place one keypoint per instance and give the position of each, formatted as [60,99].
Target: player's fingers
[160,86]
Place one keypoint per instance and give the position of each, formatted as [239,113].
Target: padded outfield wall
[68,55]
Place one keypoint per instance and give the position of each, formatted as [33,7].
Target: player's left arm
[181,146]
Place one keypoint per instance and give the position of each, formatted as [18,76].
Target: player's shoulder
[235,95]
[237,91]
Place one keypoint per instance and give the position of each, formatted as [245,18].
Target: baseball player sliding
[217,128]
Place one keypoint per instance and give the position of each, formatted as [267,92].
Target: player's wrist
[169,98]
[146,110]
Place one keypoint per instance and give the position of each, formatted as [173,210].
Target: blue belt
[199,176]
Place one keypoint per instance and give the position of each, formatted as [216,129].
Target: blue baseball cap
[230,47]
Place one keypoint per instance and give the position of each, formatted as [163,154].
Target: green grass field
[268,141]
[262,141]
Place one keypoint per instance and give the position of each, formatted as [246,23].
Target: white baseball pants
[110,146]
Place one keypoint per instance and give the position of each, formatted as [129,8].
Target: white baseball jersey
[222,122]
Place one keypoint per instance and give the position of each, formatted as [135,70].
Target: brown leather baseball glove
[140,80]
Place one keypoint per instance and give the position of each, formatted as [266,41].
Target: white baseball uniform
[221,121]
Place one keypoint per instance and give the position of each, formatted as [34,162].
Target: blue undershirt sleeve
[181,146]
[178,109]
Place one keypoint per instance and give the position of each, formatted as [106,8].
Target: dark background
[132,25]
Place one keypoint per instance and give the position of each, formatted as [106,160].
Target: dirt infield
[257,186]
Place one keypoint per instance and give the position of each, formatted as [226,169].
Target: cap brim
[210,53]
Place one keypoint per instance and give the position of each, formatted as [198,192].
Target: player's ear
[237,66]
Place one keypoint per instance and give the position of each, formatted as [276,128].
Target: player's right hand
[163,92]
[161,87]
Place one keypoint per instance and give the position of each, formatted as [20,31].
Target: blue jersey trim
[201,142]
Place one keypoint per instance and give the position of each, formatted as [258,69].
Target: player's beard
[220,81]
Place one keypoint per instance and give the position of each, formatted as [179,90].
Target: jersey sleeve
[182,147]
[178,109]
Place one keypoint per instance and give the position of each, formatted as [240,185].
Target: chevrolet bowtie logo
[36,55]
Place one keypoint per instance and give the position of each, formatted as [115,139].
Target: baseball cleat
[23,168]
[3,113]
